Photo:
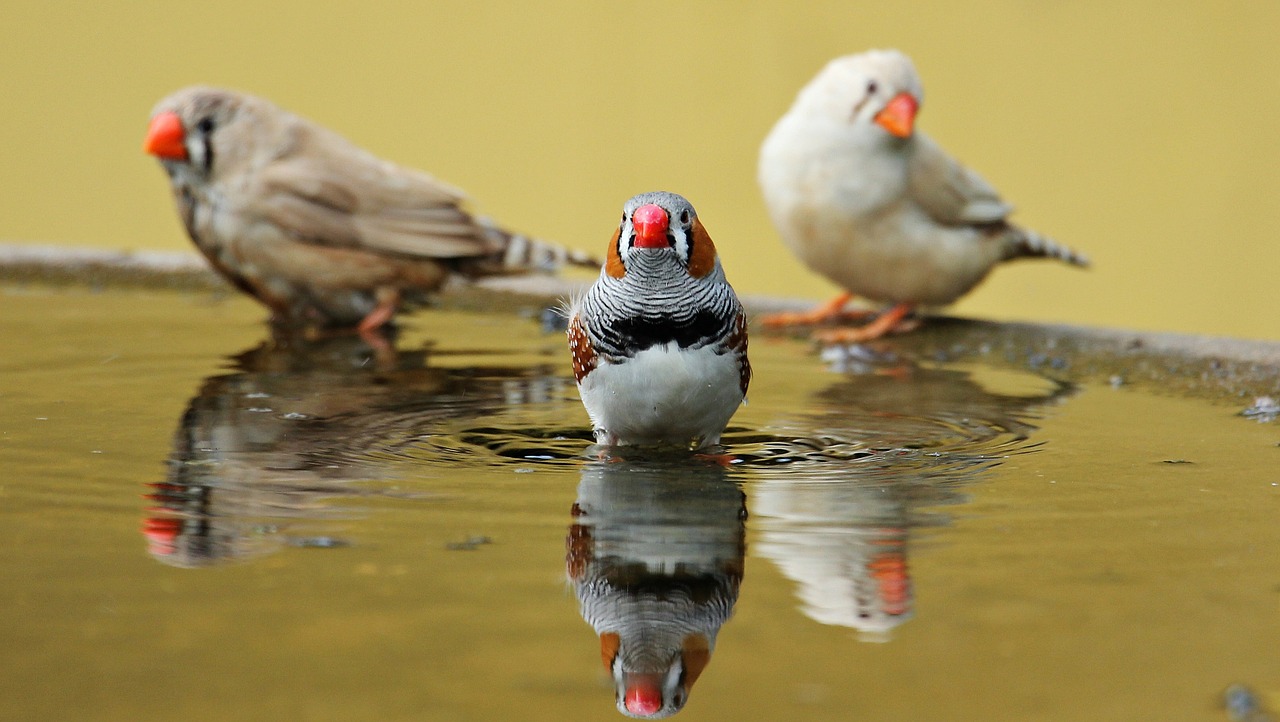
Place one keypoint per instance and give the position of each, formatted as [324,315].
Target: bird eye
[872,87]
[205,125]
[684,216]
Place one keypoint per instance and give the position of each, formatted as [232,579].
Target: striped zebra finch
[659,341]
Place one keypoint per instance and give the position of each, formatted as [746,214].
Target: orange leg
[829,311]
[371,327]
[890,321]
[722,459]
[379,316]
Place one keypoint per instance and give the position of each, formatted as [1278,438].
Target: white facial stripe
[195,151]
[682,245]
[625,238]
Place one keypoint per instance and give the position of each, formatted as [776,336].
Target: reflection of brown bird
[877,207]
[656,559]
[318,230]
[263,449]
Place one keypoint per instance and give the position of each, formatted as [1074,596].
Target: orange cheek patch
[703,258]
[613,263]
[609,644]
[695,652]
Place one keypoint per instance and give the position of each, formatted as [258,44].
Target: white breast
[663,395]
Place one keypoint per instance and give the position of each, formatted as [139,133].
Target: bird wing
[329,192]
[949,192]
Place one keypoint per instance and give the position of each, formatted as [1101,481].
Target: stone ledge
[1180,363]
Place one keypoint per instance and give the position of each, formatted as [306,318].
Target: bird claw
[892,321]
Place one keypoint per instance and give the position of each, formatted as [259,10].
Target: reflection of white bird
[659,342]
[845,546]
[876,206]
[895,448]
[656,558]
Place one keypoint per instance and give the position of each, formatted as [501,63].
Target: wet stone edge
[1179,364]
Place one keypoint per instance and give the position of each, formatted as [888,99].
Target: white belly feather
[663,395]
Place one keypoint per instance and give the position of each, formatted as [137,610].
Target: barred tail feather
[1027,243]
[522,253]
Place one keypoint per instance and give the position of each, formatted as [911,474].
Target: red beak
[899,115]
[165,137]
[650,222]
[644,694]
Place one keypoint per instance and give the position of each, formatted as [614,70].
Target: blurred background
[1146,134]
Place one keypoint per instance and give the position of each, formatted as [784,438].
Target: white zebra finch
[318,230]
[876,206]
[659,342]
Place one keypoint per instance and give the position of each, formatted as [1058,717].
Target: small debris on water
[319,542]
[1177,461]
[854,358]
[469,544]
[1243,705]
[1264,410]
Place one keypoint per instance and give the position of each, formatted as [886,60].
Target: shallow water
[202,523]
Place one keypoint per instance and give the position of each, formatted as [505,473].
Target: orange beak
[899,115]
[650,222]
[165,137]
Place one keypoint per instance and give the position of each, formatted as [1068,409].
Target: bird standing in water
[659,342]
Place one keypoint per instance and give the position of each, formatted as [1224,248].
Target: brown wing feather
[325,190]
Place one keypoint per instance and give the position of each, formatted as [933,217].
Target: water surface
[203,522]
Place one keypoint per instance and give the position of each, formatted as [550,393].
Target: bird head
[184,126]
[664,227]
[877,89]
[654,693]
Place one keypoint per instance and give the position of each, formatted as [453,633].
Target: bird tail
[518,252]
[1026,243]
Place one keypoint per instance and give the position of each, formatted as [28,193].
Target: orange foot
[830,311]
[722,459]
[379,316]
[892,321]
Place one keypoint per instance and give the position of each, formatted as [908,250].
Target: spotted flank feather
[580,348]
[737,345]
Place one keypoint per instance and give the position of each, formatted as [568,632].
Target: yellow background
[1143,133]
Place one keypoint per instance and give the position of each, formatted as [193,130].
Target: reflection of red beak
[644,691]
[899,115]
[165,137]
[650,222]
[162,534]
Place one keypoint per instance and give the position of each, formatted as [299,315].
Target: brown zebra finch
[876,206]
[659,342]
[320,231]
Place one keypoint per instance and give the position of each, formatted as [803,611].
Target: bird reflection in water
[873,463]
[262,450]
[655,555]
